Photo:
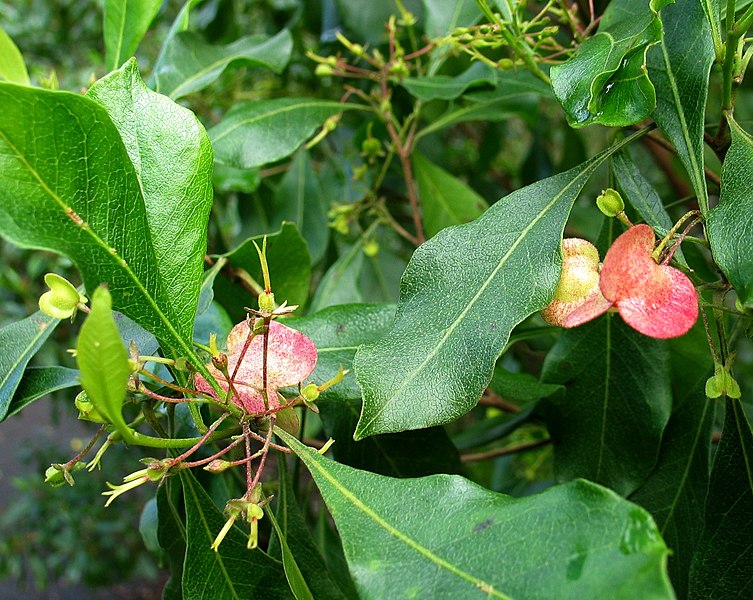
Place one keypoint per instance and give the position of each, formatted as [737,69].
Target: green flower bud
[310,392]
[266,302]
[610,202]
[323,70]
[371,247]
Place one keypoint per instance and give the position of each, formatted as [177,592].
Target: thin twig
[497,452]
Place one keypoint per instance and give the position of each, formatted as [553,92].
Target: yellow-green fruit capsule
[610,202]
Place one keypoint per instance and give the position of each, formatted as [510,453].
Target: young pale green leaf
[446,537]
[606,81]
[444,87]
[461,295]
[125,23]
[731,243]
[608,425]
[38,382]
[20,341]
[103,360]
[445,199]
[289,270]
[299,199]
[442,17]
[233,572]
[256,133]
[643,197]
[189,64]
[12,65]
[172,156]
[87,204]
[679,68]
[339,285]
[675,491]
[723,563]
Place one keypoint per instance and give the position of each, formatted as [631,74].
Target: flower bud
[266,302]
[579,280]
[310,392]
[610,202]
[323,70]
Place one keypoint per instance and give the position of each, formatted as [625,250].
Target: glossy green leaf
[87,204]
[339,285]
[293,574]
[232,573]
[300,200]
[675,491]
[256,133]
[608,426]
[365,18]
[125,23]
[732,244]
[444,87]
[723,563]
[642,196]
[171,533]
[679,68]
[289,270]
[445,537]
[461,295]
[442,17]
[190,64]
[606,81]
[20,341]
[445,199]
[38,382]
[103,360]
[12,65]
[179,24]
[172,156]
[299,542]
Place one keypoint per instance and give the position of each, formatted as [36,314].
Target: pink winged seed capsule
[657,300]
[291,357]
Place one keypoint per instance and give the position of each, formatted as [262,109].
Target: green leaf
[441,17]
[12,66]
[339,285]
[366,19]
[38,382]
[256,133]
[723,563]
[445,199]
[87,204]
[293,574]
[299,199]
[103,360]
[189,64]
[679,68]
[232,573]
[606,80]
[608,425]
[171,533]
[443,536]
[643,197]
[731,244]
[444,87]
[20,341]
[125,23]
[289,270]
[675,491]
[181,23]
[172,156]
[458,307]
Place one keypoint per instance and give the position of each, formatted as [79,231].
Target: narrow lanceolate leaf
[723,563]
[608,425]
[40,381]
[20,341]
[293,574]
[125,23]
[461,295]
[446,537]
[232,573]
[441,18]
[606,80]
[675,491]
[445,87]
[445,199]
[256,133]
[729,228]
[86,201]
[679,68]
[103,360]
[12,65]
[172,157]
[189,64]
